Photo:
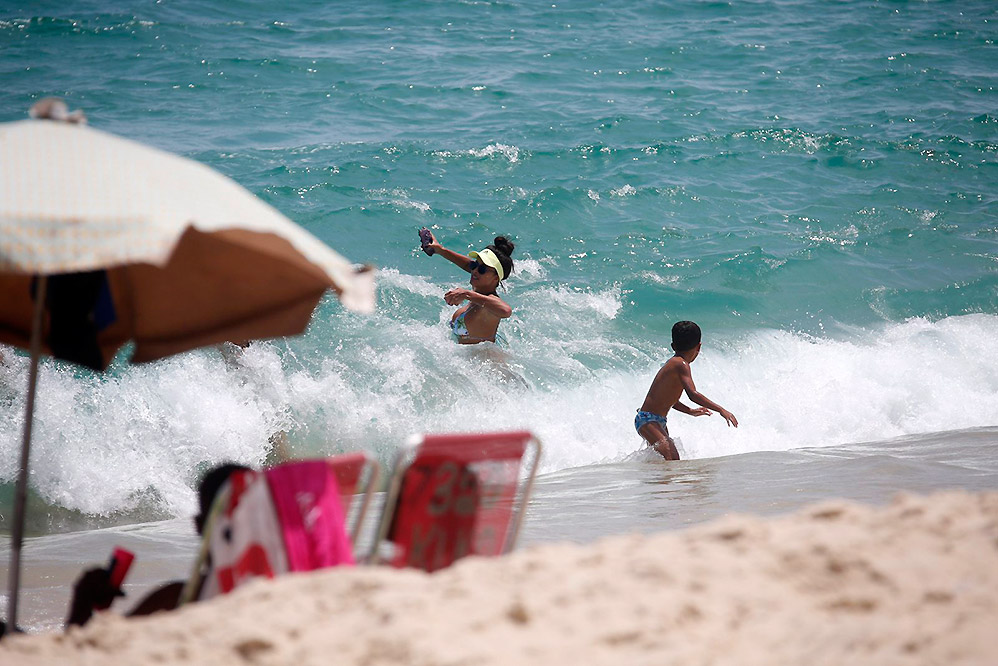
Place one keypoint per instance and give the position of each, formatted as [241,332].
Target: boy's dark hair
[210,484]
[504,250]
[685,336]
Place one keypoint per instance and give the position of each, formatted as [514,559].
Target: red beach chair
[455,495]
[291,517]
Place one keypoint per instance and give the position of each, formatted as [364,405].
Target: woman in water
[478,320]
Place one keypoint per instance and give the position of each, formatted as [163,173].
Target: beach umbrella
[105,241]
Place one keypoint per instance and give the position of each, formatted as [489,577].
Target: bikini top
[460,329]
[457,325]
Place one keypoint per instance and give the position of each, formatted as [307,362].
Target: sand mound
[911,583]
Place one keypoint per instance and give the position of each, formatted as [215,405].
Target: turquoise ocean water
[815,183]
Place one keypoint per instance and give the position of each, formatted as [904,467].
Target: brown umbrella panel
[225,285]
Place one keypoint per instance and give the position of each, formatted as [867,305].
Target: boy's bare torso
[666,389]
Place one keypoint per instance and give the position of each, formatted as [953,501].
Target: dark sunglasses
[478,266]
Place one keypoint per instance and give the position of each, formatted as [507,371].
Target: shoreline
[911,582]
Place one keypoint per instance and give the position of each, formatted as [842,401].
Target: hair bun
[503,245]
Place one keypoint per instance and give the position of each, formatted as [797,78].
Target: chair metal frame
[366,486]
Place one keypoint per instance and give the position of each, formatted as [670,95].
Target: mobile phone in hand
[425,238]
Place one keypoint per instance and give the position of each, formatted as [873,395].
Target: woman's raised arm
[455,258]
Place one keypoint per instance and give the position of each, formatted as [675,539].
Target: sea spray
[107,444]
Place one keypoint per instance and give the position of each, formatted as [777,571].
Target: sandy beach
[910,583]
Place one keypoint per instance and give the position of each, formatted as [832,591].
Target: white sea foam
[109,443]
[416,284]
[530,268]
[623,191]
[659,278]
[605,303]
[511,153]
[399,198]
[104,443]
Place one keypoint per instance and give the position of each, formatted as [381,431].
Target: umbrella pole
[21,493]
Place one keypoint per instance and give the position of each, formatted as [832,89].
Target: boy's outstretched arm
[686,409]
[686,377]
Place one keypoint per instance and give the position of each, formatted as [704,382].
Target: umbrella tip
[53,108]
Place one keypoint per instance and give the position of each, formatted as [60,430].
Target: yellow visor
[489,258]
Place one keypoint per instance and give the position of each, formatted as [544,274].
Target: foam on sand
[836,583]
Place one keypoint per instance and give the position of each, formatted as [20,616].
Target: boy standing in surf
[668,386]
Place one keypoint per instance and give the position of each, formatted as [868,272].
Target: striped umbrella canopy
[104,241]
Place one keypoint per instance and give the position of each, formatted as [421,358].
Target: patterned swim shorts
[644,418]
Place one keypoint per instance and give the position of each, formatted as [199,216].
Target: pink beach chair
[292,517]
[455,495]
